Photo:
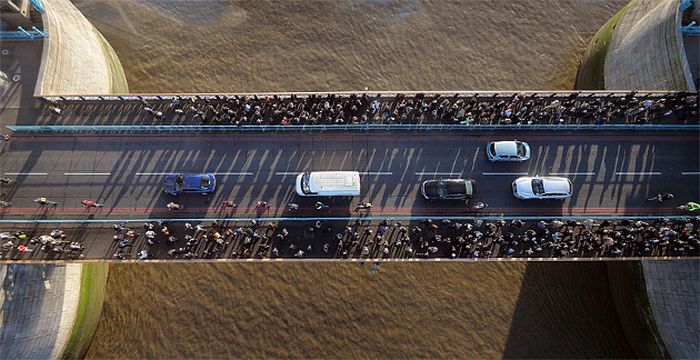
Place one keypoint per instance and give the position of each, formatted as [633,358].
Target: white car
[528,187]
[508,151]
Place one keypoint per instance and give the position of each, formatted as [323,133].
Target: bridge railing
[22,34]
[346,127]
[378,94]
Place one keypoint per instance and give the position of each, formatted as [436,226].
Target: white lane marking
[690,173]
[86,174]
[283,173]
[573,174]
[376,173]
[437,174]
[622,173]
[25,174]
[216,173]
[503,174]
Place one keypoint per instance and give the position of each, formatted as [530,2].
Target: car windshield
[537,186]
[492,149]
[521,149]
[178,183]
[205,183]
[443,189]
[305,184]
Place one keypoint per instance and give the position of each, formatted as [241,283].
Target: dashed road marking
[215,173]
[283,173]
[437,174]
[573,174]
[87,174]
[26,174]
[376,173]
[690,173]
[234,173]
[622,173]
[503,174]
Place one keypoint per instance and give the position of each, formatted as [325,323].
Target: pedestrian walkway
[38,308]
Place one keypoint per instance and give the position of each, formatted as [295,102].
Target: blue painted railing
[342,218]
[346,127]
[38,5]
[21,34]
[691,29]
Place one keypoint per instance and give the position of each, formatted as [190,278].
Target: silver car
[513,150]
[528,187]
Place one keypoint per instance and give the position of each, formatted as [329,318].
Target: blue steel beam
[348,218]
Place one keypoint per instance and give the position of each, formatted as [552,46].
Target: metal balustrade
[21,34]
[347,127]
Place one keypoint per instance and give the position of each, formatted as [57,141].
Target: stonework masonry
[673,288]
[646,51]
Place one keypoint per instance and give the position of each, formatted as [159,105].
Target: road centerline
[572,173]
[650,173]
[504,174]
[438,174]
[86,174]
[26,173]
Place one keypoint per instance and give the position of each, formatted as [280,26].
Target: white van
[328,183]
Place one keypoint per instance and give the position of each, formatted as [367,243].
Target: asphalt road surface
[612,174]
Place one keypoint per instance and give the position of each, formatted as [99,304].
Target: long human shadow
[565,310]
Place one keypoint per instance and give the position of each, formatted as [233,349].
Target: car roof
[191,180]
[556,185]
[506,147]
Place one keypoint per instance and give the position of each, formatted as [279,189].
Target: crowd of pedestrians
[54,245]
[426,239]
[363,239]
[525,108]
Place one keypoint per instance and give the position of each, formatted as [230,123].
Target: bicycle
[91,204]
[480,205]
[5,204]
[44,201]
[364,205]
[320,206]
[689,206]
[173,206]
[7,181]
[262,205]
[661,197]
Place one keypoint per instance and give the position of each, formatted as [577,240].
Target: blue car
[176,184]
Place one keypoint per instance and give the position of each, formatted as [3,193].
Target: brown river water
[325,310]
